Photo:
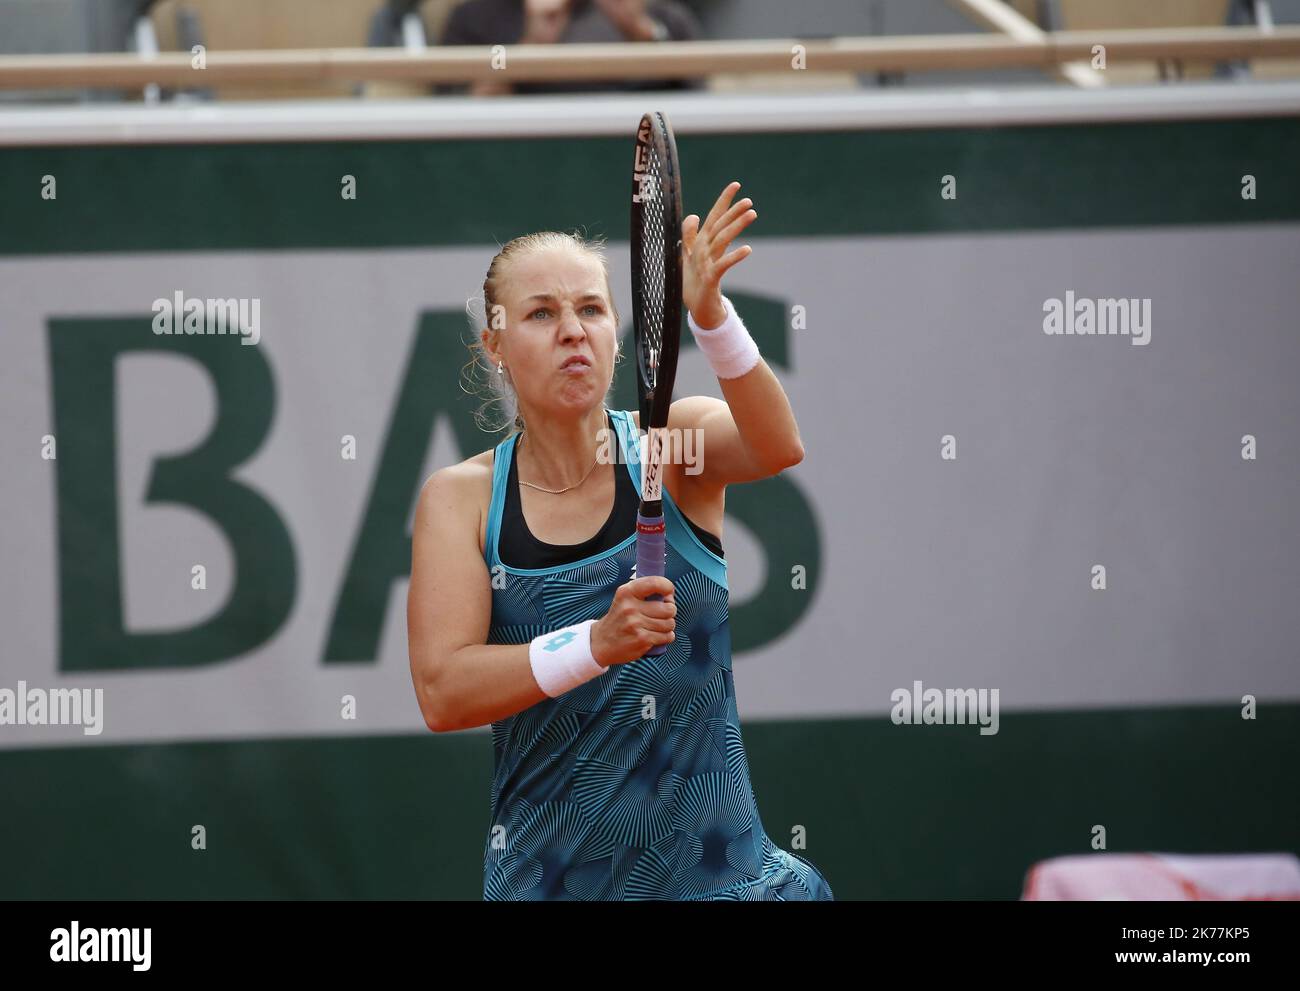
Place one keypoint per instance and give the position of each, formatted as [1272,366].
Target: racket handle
[651,557]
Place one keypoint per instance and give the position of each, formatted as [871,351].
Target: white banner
[1072,451]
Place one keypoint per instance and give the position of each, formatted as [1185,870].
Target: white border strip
[592,115]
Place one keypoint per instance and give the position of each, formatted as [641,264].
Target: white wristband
[562,659]
[729,348]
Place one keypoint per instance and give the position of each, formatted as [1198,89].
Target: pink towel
[1165,877]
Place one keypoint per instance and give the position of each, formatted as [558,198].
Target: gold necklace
[561,491]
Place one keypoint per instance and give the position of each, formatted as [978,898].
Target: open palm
[705,257]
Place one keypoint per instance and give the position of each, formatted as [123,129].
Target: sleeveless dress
[634,785]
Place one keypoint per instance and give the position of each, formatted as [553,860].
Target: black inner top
[518,548]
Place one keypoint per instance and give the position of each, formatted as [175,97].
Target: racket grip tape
[651,558]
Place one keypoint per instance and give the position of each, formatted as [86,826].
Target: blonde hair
[499,409]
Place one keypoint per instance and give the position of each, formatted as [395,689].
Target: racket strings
[653,245]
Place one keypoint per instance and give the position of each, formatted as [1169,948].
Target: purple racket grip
[650,559]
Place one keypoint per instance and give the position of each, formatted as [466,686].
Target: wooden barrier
[666,60]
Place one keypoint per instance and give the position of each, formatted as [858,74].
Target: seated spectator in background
[545,22]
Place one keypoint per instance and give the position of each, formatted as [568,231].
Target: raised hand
[705,257]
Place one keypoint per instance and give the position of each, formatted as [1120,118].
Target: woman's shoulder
[465,479]
[460,494]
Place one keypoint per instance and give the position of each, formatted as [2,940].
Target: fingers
[634,624]
[739,255]
[650,585]
[690,227]
[647,639]
[728,233]
[717,225]
[721,229]
[737,208]
[666,610]
[720,206]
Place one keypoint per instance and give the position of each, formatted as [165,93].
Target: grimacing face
[557,311]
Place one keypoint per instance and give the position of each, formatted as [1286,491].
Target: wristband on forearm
[729,348]
[562,659]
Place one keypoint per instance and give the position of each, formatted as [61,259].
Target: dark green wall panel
[889,811]
[230,197]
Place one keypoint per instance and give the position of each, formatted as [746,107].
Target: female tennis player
[617,775]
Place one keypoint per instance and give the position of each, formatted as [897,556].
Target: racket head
[656,248]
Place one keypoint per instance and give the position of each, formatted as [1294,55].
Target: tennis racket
[656,322]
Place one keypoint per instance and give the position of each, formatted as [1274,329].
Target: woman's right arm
[460,680]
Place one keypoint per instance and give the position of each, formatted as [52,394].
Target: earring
[499,371]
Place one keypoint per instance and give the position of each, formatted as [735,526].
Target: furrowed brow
[547,297]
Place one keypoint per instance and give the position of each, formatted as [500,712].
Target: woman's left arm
[752,434]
